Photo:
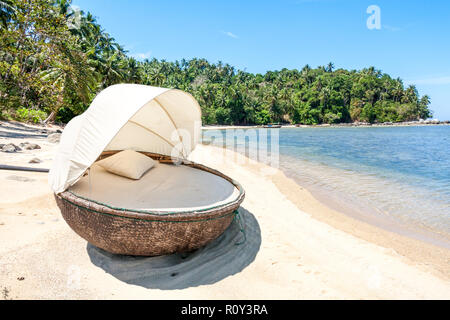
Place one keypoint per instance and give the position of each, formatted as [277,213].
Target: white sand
[293,251]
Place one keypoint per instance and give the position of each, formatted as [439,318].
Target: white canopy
[126,116]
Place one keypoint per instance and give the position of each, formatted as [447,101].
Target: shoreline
[376,219]
[391,236]
[339,125]
[417,252]
[372,215]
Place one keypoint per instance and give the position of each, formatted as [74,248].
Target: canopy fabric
[126,116]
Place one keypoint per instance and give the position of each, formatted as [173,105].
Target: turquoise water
[399,174]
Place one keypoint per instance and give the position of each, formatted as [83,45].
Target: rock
[10,148]
[54,137]
[58,131]
[30,146]
[35,160]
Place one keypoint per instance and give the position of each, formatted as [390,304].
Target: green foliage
[222,115]
[262,117]
[58,68]
[30,115]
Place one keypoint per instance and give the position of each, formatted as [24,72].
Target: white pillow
[128,163]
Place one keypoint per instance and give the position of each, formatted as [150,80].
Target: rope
[237,218]
[90,186]
[16,168]
[140,219]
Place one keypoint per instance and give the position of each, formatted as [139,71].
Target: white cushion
[128,163]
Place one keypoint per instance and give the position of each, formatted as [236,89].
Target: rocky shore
[382,124]
[353,124]
[12,131]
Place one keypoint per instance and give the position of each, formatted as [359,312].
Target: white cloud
[142,55]
[391,28]
[430,81]
[230,34]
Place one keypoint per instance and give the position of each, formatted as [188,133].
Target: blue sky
[413,42]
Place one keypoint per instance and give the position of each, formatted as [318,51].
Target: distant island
[53,61]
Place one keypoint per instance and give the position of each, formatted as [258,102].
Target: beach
[296,246]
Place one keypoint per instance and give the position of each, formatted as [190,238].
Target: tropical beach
[296,247]
[223,152]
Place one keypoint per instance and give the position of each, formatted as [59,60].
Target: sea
[395,177]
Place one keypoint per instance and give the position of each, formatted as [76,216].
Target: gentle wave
[399,173]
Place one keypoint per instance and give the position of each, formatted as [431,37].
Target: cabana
[175,206]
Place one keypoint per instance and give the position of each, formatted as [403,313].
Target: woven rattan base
[147,233]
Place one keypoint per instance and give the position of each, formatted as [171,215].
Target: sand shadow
[225,256]
[17,130]
[15,135]
[20,132]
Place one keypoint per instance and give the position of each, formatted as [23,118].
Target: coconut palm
[70,75]
[156,77]
[330,67]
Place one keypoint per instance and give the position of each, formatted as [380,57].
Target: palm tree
[424,112]
[70,75]
[108,43]
[111,68]
[411,94]
[398,90]
[133,71]
[324,95]
[306,74]
[156,77]
[330,67]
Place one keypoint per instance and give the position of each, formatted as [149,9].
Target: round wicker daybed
[177,206]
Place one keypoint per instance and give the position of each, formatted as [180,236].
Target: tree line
[54,60]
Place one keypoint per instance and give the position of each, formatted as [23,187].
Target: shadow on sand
[223,257]
[16,130]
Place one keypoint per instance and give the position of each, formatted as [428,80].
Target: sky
[408,39]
